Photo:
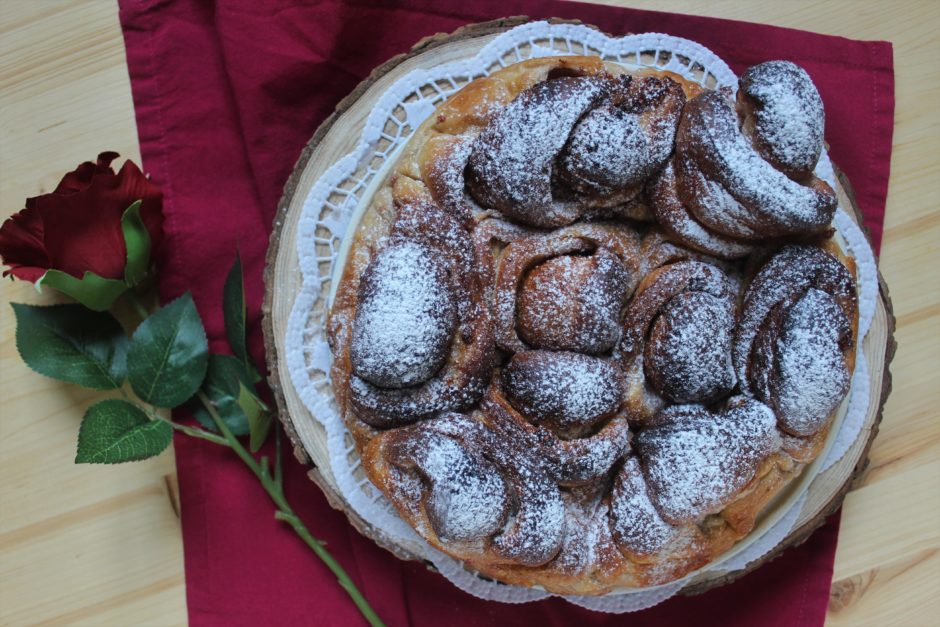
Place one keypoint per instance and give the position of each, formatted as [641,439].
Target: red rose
[77,227]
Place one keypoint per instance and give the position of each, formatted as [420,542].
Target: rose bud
[73,238]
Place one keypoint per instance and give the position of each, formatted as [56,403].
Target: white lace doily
[333,201]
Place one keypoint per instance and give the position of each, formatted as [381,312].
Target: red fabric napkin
[226,95]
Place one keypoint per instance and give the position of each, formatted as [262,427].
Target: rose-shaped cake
[591,323]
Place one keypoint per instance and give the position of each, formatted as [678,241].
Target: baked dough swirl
[572,143]
[743,173]
[794,347]
[677,335]
[421,336]
[565,290]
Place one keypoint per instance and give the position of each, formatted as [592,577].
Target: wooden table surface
[101,545]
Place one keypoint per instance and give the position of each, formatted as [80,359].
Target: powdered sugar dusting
[637,526]
[812,370]
[789,114]
[581,461]
[778,206]
[468,496]
[608,150]
[573,303]
[565,390]
[688,356]
[588,545]
[783,279]
[428,224]
[619,144]
[534,534]
[711,203]
[510,167]
[536,528]
[437,465]
[679,324]
[445,176]
[676,220]
[694,460]
[405,319]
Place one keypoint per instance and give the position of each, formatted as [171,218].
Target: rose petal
[77,228]
[135,185]
[83,229]
[21,245]
[81,177]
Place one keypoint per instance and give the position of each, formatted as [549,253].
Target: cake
[595,320]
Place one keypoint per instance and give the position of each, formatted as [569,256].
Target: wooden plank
[99,545]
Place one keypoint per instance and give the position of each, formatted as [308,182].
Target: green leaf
[224,378]
[114,431]
[93,291]
[71,343]
[259,419]
[137,242]
[233,311]
[168,355]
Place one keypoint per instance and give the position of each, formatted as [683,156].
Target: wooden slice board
[335,138]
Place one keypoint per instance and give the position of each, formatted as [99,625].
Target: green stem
[190,431]
[196,433]
[275,489]
[138,306]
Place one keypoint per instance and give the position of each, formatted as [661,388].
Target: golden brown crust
[516,489]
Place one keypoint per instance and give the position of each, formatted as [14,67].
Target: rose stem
[138,306]
[274,486]
[190,431]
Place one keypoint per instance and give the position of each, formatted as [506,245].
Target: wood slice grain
[334,139]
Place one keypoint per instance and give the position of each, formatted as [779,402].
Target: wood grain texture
[88,545]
